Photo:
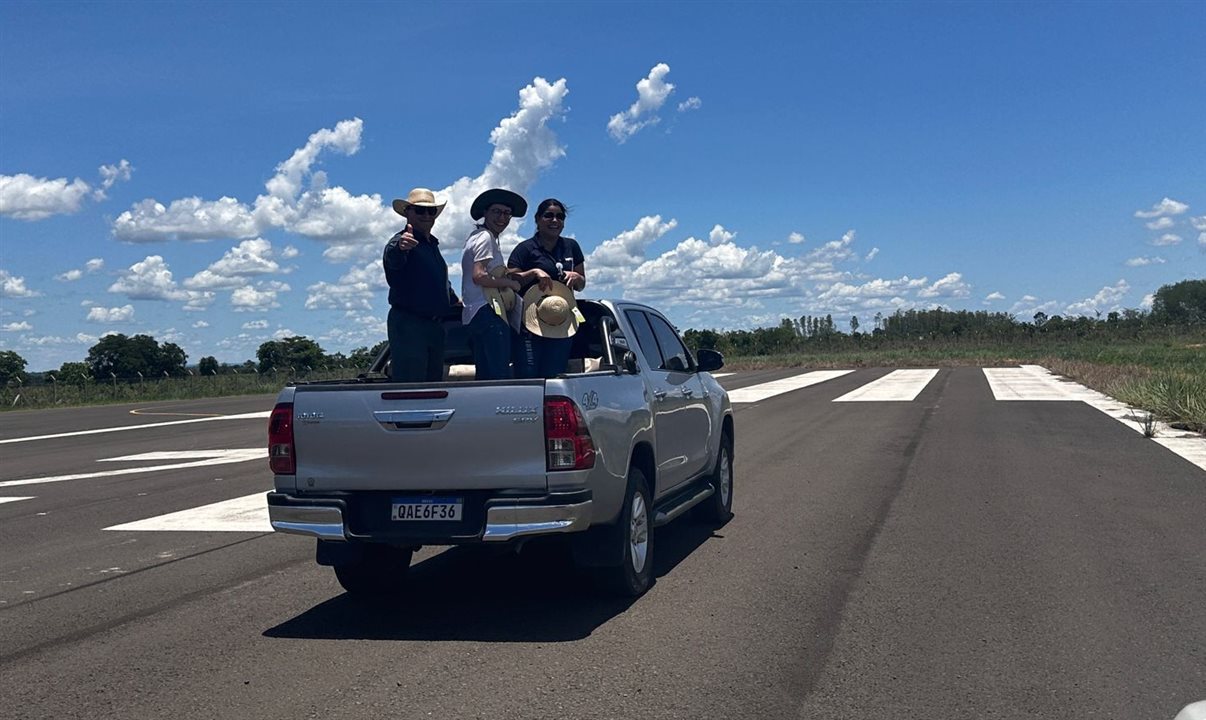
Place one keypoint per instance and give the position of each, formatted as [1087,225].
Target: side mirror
[709,360]
[629,362]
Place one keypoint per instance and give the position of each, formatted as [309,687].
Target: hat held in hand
[505,297]
[550,313]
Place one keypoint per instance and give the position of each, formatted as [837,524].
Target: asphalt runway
[948,555]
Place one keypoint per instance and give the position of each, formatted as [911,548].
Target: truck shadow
[471,593]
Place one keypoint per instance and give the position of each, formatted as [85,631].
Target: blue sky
[219,174]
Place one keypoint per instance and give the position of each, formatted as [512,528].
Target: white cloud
[1167,206]
[1199,223]
[614,259]
[261,297]
[12,286]
[200,324]
[354,291]
[111,315]
[16,327]
[185,219]
[94,264]
[1105,300]
[26,197]
[151,279]
[1160,224]
[871,255]
[255,325]
[110,174]
[1142,261]
[691,103]
[795,238]
[652,92]
[245,260]
[993,297]
[289,252]
[1167,239]
[1202,240]
[951,286]
[69,276]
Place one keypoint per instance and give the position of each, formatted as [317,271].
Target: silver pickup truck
[634,435]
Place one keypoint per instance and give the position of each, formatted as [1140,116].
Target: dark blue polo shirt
[531,254]
[418,278]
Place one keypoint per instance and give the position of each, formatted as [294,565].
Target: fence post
[114,376]
[54,388]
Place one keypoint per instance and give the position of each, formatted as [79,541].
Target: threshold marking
[754,393]
[243,514]
[896,386]
[242,416]
[13,499]
[197,458]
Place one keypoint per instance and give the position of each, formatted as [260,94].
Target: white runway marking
[207,457]
[243,416]
[13,499]
[1035,382]
[754,393]
[896,386]
[244,514]
[720,375]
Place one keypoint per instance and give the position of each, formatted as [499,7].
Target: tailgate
[488,436]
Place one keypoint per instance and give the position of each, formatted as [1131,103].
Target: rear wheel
[634,532]
[380,571]
[718,508]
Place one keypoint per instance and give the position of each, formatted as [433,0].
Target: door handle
[659,394]
[413,419]
[688,392]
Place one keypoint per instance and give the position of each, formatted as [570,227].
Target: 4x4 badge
[590,400]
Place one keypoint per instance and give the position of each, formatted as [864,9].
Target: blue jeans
[541,357]
[491,345]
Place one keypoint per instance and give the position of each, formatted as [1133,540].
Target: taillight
[280,440]
[568,442]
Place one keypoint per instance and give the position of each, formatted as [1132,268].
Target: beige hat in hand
[550,313]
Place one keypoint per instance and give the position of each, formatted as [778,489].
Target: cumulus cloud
[26,197]
[691,103]
[1160,223]
[12,286]
[200,325]
[111,315]
[20,326]
[871,255]
[1199,223]
[151,279]
[257,298]
[1166,240]
[795,238]
[235,268]
[614,259]
[75,274]
[1202,240]
[993,297]
[1143,261]
[1167,206]
[354,291]
[185,219]
[255,325]
[951,286]
[1106,299]
[652,92]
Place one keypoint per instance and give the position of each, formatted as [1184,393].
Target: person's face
[421,218]
[498,217]
[551,221]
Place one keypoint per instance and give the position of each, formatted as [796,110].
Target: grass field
[1166,378]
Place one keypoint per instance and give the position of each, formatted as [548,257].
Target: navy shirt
[418,278]
[531,254]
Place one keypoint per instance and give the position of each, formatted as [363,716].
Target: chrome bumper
[503,522]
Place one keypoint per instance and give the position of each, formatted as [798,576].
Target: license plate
[446,509]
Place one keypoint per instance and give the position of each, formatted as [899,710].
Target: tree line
[1182,304]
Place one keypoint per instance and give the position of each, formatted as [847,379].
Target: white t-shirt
[481,246]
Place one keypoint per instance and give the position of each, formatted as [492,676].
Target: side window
[644,337]
[675,354]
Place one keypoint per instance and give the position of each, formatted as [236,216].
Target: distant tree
[853,324]
[73,372]
[11,365]
[128,356]
[1180,303]
[1040,318]
[292,352]
[208,365]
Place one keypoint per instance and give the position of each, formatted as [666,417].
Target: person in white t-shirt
[491,325]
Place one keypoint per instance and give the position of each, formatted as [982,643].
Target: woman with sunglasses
[541,259]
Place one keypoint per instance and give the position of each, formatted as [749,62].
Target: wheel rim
[726,478]
[638,533]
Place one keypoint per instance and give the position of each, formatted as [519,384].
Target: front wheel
[380,571]
[718,508]
[634,531]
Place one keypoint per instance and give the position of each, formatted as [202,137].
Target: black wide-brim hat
[498,196]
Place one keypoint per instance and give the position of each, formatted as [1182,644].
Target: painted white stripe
[212,457]
[242,416]
[13,499]
[1024,384]
[244,514]
[754,393]
[1045,385]
[896,386]
[720,375]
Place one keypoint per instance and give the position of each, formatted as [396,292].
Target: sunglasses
[422,210]
[500,211]
[553,216]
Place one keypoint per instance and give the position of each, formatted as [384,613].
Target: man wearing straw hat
[490,309]
[420,295]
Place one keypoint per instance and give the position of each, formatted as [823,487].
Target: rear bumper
[505,518]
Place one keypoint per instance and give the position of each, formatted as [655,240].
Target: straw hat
[421,197]
[504,296]
[550,313]
[498,196]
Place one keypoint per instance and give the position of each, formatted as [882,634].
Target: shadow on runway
[484,594]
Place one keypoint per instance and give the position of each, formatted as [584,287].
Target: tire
[634,532]
[718,509]
[380,572]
